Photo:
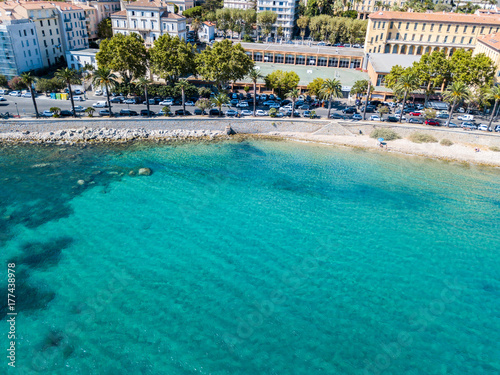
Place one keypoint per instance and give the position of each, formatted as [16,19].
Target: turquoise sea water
[256,257]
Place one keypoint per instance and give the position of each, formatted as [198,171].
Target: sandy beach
[468,146]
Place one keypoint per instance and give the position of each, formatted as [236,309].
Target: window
[482,30]
[456,29]
[32,33]
[55,22]
[391,25]
[454,39]
[397,36]
[465,29]
[133,13]
[473,29]
[445,39]
[50,31]
[371,40]
[423,27]
[405,36]
[407,25]
[448,29]
[383,25]
[22,44]
[41,23]
[57,31]
[413,37]
[48,22]
[399,25]
[415,26]
[421,37]
[389,36]
[25,33]
[440,27]
[437,39]
[470,40]
[432,26]
[462,40]
[376,39]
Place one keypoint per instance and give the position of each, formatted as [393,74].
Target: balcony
[69,28]
[67,19]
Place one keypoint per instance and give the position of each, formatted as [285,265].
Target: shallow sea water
[253,257]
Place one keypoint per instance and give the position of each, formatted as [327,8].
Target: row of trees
[333,29]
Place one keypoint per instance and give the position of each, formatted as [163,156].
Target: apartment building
[90,21]
[73,26]
[104,8]
[150,19]
[182,4]
[490,46]
[46,20]
[365,7]
[287,11]
[240,4]
[409,33]
[19,47]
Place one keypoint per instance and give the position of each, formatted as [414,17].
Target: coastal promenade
[468,146]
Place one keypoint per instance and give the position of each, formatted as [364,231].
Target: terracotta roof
[147,4]
[208,23]
[33,4]
[172,16]
[67,7]
[490,19]
[491,40]
[121,13]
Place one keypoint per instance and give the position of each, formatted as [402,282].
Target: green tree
[16,83]
[314,87]
[224,62]
[182,85]
[493,94]
[392,78]
[455,93]
[255,75]
[302,23]
[407,83]
[440,7]
[219,100]
[332,88]
[359,88]
[172,58]
[212,5]
[103,76]
[282,82]
[104,29]
[249,19]
[429,113]
[203,104]
[194,12]
[223,19]
[68,76]
[3,81]
[90,111]
[29,80]
[293,94]
[125,54]
[143,83]
[55,111]
[266,19]
[432,71]
[473,70]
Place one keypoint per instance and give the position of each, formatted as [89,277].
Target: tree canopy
[282,82]
[104,29]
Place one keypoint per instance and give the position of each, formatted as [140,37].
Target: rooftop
[146,4]
[491,40]
[121,13]
[306,49]
[383,63]
[86,51]
[489,19]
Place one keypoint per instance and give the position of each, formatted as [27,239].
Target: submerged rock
[145,172]
[80,182]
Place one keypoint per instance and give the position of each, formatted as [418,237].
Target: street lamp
[17,109]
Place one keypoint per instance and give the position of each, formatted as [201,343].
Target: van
[100,104]
[466,118]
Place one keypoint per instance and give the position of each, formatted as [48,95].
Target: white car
[2,99]
[286,108]
[98,92]
[269,103]
[100,105]
[260,112]
[79,98]
[190,103]
[15,93]
[79,108]
[47,113]
[375,118]
[483,127]
[242,105]
[246,112]
[78,92]
[167,102]
[357,116]
[26,95]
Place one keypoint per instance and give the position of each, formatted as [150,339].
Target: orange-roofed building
[490,46]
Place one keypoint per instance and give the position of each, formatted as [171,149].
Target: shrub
[421,138]
[495,148]
[445,142]
[387,134]
[272,112]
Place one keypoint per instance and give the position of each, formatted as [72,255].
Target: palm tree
[29,81]
[457,92]
[330,89]
[103,76]
[143,83]
[293,94]
[68,76]
[493,93]
[406,84]
[255,75]
[219,100]
[359,87]
[183,84]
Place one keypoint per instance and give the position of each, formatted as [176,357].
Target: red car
[416,113]
[432,122]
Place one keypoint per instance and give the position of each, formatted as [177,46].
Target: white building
[239,4]
[149,19]
[73,26]
[287,11]
[80,58]
[206,33]
[19,50]
[104,8]
[46,20]
[182,4]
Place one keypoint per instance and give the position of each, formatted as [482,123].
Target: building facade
[182,4]
[490,46]
[91,21]
[206,33]
[149,19]
[73,26]
[410,33]
[19,48]
[79,59]
[287,11]
[240,4]
[104,8]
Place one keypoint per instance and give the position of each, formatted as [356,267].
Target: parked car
[47,113]
[305,107]
[242,105]
[199,112]
[101,104]
[190,103]
[468,125]
[15,93]
[391,119]
[215,112]
[116,99]
[151,101]
[432,122]
[414,120]
[260,112]
[452,125]
[349,110]
[415,113]
[356,45]
[465,118]
[181,112]
[289,114]
[78,98]
[374,118]
[79,108]
[357,116]
[231,112]
[98,92]
[443,115]
[26,95]
[268,103]
[310,114]
[2,99]
[78,92]
[104,112]
[167,102]
[128,112]
[144,112]
[263,97]
[497,128]
[65,113]
[246,112]
[482,127]
[337,116]
[234,102]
